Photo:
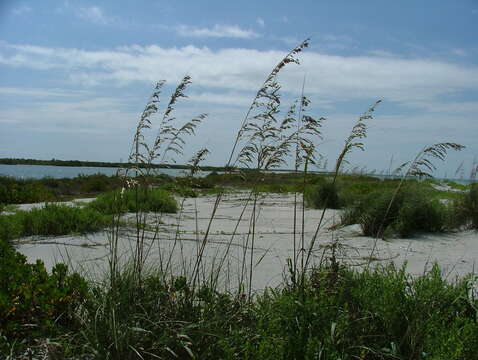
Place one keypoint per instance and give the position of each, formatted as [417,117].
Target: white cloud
[92,114]
[39,93]
[94,14]
[330,77]
[261,22]
[449,108]
[229,98]
[218,31]
[22,9]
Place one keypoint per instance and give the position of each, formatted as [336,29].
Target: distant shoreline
[103,164]
[81,163]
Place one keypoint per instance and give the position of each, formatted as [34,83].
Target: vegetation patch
[338,313]
[33,303]
[467,207]
[52,219]
[324,195]
[402,213]
[133,200]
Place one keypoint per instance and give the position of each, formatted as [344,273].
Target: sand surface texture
[180,236]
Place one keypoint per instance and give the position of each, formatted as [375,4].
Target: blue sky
[75,75]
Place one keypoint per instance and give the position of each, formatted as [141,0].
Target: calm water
[58,172]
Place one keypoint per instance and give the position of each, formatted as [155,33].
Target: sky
[76,75]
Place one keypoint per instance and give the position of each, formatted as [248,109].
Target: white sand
[456,253]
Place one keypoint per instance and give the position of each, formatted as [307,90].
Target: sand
[456,253]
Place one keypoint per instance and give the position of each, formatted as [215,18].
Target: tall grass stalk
[167,144]
[257,148]
[359,132]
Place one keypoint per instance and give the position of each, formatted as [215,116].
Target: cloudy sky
[75,75]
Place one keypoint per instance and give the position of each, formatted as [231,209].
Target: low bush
[34,303]
[132,200]
[409,211]
[11,227]
[467,207]
[13,191]
[324,195]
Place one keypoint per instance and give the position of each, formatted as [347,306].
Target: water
[59,172]
[458,181]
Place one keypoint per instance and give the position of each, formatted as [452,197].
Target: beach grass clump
[51,220]
[169,320]
[135,199]
[11,227]
[374,314]
[324,195]
[467,207]
[57,219]
[404,213]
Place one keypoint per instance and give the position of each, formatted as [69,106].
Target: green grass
[403,214]
[51,220]
[324,195]
[340,313]
[467,207]
[20,191]
[157,200]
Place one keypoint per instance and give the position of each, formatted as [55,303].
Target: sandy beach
[180,235]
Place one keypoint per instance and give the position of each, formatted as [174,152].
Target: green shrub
[132,200]
[34,303]
[11,227]
[467,207]
[13,191]
[409,211]
[419,214]
[322,196]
